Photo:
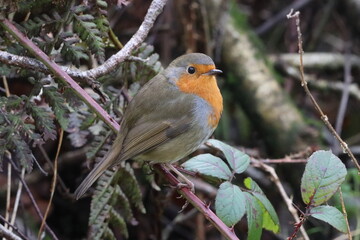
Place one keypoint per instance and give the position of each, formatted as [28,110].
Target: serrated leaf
[270,218]
[254,214]
[237,160]
[324,173]
[230,203]
[331,215]
[210,165]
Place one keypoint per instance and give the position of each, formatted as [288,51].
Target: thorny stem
[197,203]
[323,117]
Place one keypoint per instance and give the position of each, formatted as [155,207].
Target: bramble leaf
[254,214]
[324,173]
[230,203]
[210,165]
[270,218]
[331,215]
[237,160]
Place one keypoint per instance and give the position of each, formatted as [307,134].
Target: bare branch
[154,10]
[286,198]
[7,234]
[323,117]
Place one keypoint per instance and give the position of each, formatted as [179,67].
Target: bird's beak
[213,72]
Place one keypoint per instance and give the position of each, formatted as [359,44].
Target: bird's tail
[109,160]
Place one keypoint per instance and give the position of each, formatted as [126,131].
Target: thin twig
[6,86]
[8,194]
[53,184]
[7,234]
[288,201]
[32,199]
[345,214]
[59,179]
[9,170]
[323,117]
[14,228]
[114,39]
[17,199]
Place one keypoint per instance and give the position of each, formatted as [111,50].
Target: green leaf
[271,220]
[254,214]
[324,173]
[210,165]
[331,215]
[237,160]
[230,203]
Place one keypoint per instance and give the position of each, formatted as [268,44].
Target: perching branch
[197,203]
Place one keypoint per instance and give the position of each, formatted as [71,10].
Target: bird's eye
[191,70]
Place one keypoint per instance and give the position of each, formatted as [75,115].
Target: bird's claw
[188,185]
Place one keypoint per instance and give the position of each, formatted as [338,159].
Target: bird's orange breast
[204,86]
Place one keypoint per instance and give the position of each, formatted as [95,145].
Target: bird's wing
[149,135]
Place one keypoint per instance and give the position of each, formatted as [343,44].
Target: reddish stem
[197,203]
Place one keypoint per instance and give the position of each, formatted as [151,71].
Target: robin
[169,118]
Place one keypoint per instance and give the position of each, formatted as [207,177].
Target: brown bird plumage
[170,117]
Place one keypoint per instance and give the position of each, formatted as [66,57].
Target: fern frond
[100,12]
[33,26]
[111,203]
[58,105]
[130,186]
[43,121]
[88,32]
[21,152]
[98,144]
[71,50]
[119,222]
